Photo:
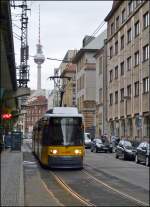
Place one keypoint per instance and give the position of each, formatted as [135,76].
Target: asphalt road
[104,181]
[127,176]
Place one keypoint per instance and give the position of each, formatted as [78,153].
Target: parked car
[125,150]
[87,140]
[142,153]
[97,145]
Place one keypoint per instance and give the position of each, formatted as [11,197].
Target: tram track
[115,190]
[78,195]
[86,202]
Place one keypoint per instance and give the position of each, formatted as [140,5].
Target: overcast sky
[63,26]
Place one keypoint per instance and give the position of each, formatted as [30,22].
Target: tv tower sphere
[39,58]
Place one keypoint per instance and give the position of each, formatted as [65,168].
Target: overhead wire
[96,31]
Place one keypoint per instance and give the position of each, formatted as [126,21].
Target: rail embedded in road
[71,191]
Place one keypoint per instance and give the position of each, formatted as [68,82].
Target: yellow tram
[58,138]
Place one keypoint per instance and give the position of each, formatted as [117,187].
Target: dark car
[125,150]
[98,145]
[142,153]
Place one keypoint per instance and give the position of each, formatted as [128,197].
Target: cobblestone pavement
[12,183]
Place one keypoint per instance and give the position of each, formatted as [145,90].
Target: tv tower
[39,58]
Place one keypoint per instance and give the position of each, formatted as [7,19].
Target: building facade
[8,81]
[101,91]
[128,69]
[36,107]
[67,82]
[69,97]
[86,80]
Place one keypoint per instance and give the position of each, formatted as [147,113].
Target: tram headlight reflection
[77,151]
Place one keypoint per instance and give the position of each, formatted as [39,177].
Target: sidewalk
[12,182]
[21,183]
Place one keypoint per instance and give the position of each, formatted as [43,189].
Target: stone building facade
[101,90]
[128,69]
[86,80]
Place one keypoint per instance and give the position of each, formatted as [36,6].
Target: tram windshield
[66,131]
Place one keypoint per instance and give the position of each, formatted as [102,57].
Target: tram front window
[66,131]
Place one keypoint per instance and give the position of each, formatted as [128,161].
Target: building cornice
[112,11]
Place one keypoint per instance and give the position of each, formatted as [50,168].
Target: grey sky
[63,26]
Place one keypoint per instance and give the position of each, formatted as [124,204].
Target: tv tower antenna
[39,57]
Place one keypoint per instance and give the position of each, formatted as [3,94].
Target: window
[112,28]
[136,58]
[146,20]
[122,68]
[122,94]
[122,42]
[137,28]
[117,22]
[130,7]
[111,52]
[110,98]
[111,75]
[116,47]
[129,90]
[116,72]
[129,63]
[129,36]
[123,15]
[136,88]
[145,52]
[116,97]
[145,85]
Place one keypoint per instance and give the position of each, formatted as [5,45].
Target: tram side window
[45,140]
[55,132]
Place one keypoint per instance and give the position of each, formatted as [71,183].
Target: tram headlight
[77,151]
[54,151]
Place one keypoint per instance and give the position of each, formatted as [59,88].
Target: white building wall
[90,85]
